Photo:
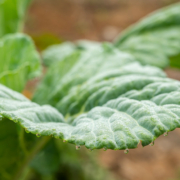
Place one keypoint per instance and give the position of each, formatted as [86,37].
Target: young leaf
[19,61]
[12,15]
[154,39]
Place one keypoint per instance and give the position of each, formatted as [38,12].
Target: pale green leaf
[155,39]
[19,61]
[141,111]
[59,52]
[82,73]
[56,53]
[77,69]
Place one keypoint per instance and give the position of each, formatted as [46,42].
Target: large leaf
[154,39]
[12,15]
[116,107]
[142,112]
[19,61]
[76,69]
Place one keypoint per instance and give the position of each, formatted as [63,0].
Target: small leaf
[19,61]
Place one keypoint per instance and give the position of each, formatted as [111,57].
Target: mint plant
[97,95]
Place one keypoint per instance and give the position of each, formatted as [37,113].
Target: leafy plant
[102,97]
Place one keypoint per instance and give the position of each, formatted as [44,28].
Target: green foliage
[56,53]
[84,70]
[101,97]
[19,61]
[12,15]
[142,110]
[154,39]
[39,120]
[59,52]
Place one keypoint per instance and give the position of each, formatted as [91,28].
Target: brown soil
[90,19]
[102,20]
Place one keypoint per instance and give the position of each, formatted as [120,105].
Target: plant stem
[39,145]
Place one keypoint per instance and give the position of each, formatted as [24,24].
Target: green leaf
[76,69]
[47,161]
[90,67]
[19,61]
[146,109]
[12,15]
[86,44]
[116,107]
[154,39]
[59,52]
[17,147]
[56,53]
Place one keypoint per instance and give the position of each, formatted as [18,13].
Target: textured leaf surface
[77,69]
[115,108]
[12,15]
[59,52]
[154,39]
[144,111]
[19,61]
[82,73]
[56,53]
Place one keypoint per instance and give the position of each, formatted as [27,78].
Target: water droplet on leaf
[152,143]
[126,151]
[37,135]
[26,131]
[78,147]
[105,149]
[166,133]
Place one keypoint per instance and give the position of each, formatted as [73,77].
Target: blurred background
[54,21]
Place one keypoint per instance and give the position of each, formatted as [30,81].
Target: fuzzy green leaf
[83,72]
[77,69]
[19,61]
[144,111]
[115,108]
[56,53]
[154,39]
